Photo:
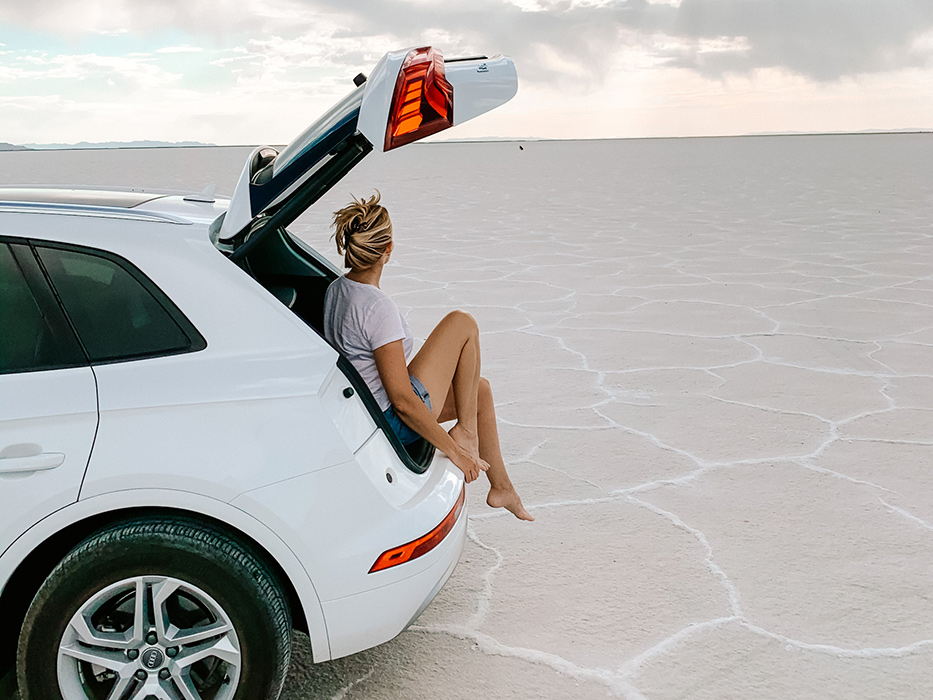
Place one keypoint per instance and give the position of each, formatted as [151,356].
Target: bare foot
[508,498]
[468,440]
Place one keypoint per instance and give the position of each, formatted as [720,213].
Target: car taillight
[422,545]
[423,102]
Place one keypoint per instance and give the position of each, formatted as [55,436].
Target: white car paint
[253,430]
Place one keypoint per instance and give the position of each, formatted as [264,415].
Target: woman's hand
[390,361]
[469,464]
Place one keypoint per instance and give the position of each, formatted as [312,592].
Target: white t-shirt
[358,318]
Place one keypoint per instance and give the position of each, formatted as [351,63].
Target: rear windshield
[341,113]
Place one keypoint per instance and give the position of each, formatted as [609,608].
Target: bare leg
[449,362]
[502,493]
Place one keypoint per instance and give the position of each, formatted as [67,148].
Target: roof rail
[89,210]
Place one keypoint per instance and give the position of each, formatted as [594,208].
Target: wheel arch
[29,570]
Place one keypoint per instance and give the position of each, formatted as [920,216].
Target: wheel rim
[149,637]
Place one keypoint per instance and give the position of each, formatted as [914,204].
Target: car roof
[112,203]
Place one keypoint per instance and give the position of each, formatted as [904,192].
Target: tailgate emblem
[482,68]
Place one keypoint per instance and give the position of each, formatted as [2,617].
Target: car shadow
[325,680]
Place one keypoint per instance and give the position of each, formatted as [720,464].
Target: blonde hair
[363,231]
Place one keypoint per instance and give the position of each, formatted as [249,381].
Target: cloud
[219,19]
[578,41]
[186,48]
[569,43]
[125,72]
[822,39]
[583,33]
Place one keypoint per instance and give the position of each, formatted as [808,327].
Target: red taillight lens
[422,545]
[423,102]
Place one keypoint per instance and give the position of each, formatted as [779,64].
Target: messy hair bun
[363,231]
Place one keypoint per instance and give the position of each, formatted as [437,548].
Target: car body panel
[343,521]
[353,421]
[43,413]
[481,85]
[221,449]
[186,208]
[396,605]
[259,375]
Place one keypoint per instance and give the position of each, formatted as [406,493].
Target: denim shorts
[399,427]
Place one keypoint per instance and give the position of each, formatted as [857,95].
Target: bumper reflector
[422,545]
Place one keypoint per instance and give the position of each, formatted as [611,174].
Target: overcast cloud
[225,50]
[821,39]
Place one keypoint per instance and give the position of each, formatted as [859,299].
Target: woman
[441,383]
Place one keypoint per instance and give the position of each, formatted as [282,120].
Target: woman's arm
[390,361]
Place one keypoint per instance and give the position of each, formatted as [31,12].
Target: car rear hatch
[411,94]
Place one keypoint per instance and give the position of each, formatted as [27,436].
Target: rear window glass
[114,313]
[28,341]
[338,116]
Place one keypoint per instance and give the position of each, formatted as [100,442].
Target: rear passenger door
[48,397]
[132,334]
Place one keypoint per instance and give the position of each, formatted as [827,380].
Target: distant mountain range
[85,145]
[102,144]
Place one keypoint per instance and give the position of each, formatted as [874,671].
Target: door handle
[33,463]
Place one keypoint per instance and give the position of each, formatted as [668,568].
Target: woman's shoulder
[347,292]
[361,289]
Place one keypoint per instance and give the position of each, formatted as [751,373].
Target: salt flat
[713,365]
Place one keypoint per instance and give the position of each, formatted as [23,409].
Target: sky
[259,71]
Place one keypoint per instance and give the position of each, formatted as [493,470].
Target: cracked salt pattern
[713,365]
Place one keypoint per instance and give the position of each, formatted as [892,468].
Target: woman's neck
[370,275]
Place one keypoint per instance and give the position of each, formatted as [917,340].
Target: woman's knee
[462,319]
[485,390]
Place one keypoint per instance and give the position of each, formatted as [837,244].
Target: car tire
[153,605]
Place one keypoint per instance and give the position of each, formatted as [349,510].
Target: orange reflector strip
[422,545]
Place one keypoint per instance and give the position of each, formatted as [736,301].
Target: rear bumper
[363,620]
[338,521]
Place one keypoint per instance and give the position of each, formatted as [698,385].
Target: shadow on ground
[325,680]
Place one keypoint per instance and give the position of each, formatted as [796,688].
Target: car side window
[34,334]
[117,312]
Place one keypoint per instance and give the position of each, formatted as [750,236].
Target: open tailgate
[411,94]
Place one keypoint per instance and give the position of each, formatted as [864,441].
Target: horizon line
[127,145]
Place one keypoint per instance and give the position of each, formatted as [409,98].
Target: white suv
[187,469]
